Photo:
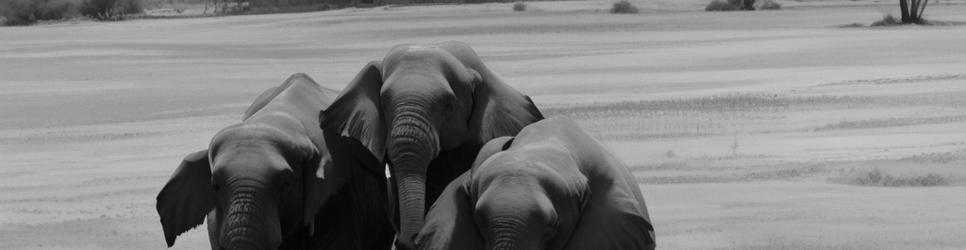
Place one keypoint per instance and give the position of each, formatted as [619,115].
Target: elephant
[552,186]
[425,111]
[276,181]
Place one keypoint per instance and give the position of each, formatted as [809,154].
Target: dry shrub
[770,5]
[730,5]
[743,4]
[852,25]
[877,178]
[721,5]
[887,20]
[519,6]
[623,7]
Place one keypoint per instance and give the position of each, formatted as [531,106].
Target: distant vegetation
[26,12]
[733,5]
[623,7]
[110,10]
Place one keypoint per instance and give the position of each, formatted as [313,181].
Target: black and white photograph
[482,124]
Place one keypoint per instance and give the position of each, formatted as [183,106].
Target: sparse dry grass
[890,122]
[875,177]
[723,171]
[700,116]
[914,79]
[940,158]
[748,113]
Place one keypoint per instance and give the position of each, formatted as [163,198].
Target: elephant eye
[285,187]
[215,187]
[449,108]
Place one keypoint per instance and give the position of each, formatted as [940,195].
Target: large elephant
[550,187]
[426,110]
[276,181]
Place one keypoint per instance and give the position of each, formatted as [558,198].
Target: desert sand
[751,130]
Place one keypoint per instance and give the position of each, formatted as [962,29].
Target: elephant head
[261,182]
[418,104]
[550,187]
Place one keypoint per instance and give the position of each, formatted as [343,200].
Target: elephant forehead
[508,170]
[252,134]
[248,161]
[257,143]
[433,57]
[548,168]
[416,47]
[416,81]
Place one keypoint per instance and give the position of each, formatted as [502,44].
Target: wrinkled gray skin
[260,183]
[550,187]
[426,110]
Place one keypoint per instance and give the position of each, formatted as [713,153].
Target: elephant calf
[277,181]
[426,110]
[550,187]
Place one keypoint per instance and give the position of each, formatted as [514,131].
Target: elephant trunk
[505,232]
[413,143]
[516,216]
[250,221]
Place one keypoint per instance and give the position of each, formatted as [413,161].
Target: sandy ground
[747,130]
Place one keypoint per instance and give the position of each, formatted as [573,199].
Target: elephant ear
[187,198]
[498,109]
[612,218]
[449,223]
[355,113]
[492,147]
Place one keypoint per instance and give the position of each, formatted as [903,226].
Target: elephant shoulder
[449,221]
[614,216]
[461,51]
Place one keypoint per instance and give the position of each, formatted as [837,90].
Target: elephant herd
[473,163]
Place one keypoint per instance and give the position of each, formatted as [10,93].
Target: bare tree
[912,10]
